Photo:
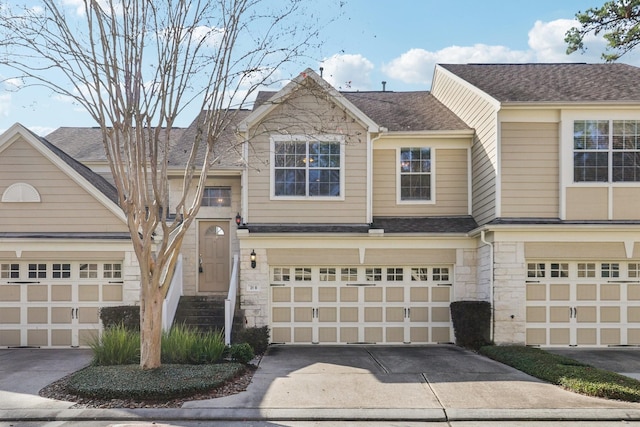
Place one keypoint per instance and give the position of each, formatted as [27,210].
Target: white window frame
[306,138]
[432,173]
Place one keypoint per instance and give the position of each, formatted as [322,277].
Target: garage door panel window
[9,271]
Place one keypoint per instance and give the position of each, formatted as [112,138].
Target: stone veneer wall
[509,293]
[466,276]
[254,288]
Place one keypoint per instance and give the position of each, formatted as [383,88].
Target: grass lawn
[565,372]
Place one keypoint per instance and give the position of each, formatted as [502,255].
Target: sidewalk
[430,383]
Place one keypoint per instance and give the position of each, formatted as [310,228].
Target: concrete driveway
[425,383]
[410,382]
[623,360]
[25,371]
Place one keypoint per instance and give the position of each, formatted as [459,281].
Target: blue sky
[397,41]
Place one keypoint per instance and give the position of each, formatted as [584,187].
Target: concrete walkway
[429,383]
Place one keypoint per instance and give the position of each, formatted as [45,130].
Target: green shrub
[565,372]
[242,353]
[164,383]
[126,315]
[183,344]
[117,346]
[471,323]
[256,337]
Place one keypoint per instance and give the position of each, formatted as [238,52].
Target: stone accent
[509,293]
[254,288]
[466,276]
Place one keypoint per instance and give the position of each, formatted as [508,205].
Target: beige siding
[451,182]
[530,174]
[479,113]
[626,203]
[65,206]
[308,113]
[575,250]
[585,203]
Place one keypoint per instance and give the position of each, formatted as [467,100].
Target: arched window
[20,192]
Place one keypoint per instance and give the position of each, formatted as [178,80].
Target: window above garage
[307,167]
[415,175]
[606,151]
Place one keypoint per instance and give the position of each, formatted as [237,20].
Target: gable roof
[265,106]
[406,111]
[85,143]
[227,150]
[559,83]
[85,177]
[399,111]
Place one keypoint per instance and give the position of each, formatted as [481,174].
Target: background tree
[135,65]
[617,20]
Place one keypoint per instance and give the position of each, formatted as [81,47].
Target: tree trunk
[151,327]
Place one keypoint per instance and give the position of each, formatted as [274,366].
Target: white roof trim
[18,130]
[260,112]
[440,69]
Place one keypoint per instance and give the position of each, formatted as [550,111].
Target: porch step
[205,313]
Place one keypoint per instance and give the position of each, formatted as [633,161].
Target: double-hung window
[606,151]
[307,167]
[415,181]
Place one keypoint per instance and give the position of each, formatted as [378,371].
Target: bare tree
[135,65]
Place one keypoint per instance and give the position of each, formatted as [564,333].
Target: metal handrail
[170,303]
[230,301]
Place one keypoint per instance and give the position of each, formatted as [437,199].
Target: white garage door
[341,305]
[55,304]
[583,303]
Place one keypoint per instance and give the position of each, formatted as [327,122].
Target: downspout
[491,286]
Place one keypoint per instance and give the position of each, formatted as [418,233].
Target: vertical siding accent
[65,206]
[530,170]
[451,180]
[308,112]
[478,111]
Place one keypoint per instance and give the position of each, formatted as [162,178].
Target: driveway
[25,371]
[426,383]
[623,360]
[415,382]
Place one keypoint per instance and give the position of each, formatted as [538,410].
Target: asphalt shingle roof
[553,82]
[399,111]
[454,224]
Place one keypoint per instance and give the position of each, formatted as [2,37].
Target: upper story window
[307,167]
[606,151]
[415,174]
[216,196]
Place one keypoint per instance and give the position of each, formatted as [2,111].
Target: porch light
[253,258]
[238,219]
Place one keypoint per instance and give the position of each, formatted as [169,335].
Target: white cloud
[546,44]
[348,72]
[13,83]
[416,65]
[546,40]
